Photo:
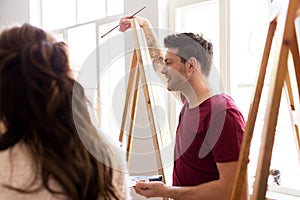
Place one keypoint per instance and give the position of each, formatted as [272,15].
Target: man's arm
[157,56]
[219,189]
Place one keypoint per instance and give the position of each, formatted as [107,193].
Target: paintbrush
[119,25]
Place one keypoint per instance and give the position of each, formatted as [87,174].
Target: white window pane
[297,26]
[82,43]
[89,10]
[58,14]
[248,33]
[115,7]
[112,79]
[59,37]
[35,14]
[103,29]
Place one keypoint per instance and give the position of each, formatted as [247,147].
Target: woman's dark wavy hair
[192,45]
[37,108]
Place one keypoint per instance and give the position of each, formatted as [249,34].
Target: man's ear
[191,65]
[193,61]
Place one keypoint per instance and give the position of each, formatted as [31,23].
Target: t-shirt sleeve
[228,144]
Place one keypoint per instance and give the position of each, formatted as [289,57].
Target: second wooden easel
[137,72]
[282,74]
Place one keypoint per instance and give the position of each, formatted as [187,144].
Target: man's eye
[168,63]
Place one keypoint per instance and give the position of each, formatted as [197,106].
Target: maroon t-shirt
[208,134]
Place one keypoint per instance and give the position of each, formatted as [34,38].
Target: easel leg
[265,155]
[296,56]
[147,101]
[133,115]
[296,60]
[291,101]
[140,73]
[151,120]
[240,176]
[128,94]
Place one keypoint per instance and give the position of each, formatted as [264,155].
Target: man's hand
[125,22]
[150,189]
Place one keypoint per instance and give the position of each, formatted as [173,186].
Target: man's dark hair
[192,45]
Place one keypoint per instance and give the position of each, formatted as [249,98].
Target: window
[80,24]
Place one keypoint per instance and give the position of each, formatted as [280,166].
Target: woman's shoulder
[17,169]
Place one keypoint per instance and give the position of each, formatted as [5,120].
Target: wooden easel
[281,74]
[137,72]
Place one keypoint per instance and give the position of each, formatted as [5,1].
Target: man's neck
[197,92]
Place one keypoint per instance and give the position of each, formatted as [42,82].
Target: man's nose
[164,70]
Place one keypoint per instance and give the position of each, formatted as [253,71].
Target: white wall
[13,12]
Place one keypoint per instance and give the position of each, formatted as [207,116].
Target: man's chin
[171,89]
